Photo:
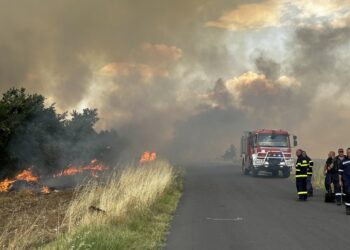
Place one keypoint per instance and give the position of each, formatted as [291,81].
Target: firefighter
[331,173]
[301,175]
[310,189]
[344,179]
[336,165]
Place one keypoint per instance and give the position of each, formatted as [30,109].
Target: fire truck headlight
[259,162]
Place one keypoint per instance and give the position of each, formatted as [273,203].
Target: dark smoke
[152,74]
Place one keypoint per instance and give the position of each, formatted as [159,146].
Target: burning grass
[131,209]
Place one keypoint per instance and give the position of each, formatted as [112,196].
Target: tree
[230,153]
[32,134]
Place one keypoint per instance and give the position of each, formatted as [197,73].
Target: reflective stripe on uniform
[304,165]
[304,193]
[298,170]
[347,204]
[340,170]
[301,175]
[346,162]
[338,194]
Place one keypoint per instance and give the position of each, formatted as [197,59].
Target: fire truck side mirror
[295,140]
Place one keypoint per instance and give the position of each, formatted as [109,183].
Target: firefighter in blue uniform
[301,175]
[336,165]
[344,179]
[310,189]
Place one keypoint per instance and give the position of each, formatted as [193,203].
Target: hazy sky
[186,78]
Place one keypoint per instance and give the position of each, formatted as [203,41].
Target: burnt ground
[22,209]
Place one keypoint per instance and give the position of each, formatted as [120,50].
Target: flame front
[25,175]
[5,185]
[28,176]
[93,166]
[147,157]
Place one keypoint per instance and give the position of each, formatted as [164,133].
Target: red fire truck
[267,150]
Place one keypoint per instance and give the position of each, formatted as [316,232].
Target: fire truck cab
[267,150]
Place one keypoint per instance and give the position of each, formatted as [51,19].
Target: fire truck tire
[244,170]
[255,172]
[286,173]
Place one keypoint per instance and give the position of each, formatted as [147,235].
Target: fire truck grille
[274,162]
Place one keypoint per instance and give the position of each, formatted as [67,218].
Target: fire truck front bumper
[271,166]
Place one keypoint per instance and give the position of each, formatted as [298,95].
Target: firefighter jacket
[337,163]
[310,165]
[344,170]
[301,167]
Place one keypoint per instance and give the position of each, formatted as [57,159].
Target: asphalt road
[222,209]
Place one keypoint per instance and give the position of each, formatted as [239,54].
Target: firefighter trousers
[333,178]
[301,183]
[346,189]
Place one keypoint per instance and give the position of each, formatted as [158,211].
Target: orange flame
[5,185]
[69,171]
[93,166]
[45,190]
[25,175]
[147,157]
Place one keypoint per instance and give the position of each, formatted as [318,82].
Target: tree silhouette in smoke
[32,134]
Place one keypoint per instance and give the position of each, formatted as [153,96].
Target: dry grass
[318,175]
[125,193]
[28,219]
[131,190]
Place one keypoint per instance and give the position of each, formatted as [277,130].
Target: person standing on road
[344,179]
[331,175]
[301,175]
[336,166]
[310,189]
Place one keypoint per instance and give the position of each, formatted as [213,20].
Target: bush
[32,134]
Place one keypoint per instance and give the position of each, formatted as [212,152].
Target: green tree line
[35,135]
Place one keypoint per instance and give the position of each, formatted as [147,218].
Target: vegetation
[33,134]
[230,154]
[130,210]
[318,175]
[136,211]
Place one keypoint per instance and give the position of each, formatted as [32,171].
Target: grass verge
[138,207]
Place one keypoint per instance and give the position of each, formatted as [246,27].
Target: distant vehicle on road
[267,150]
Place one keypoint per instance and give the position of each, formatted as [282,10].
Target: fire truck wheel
[286,173]
[244,170]
[255,172]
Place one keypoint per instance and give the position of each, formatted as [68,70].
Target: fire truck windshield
[273,140]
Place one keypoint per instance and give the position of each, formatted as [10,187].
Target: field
[23,213]
[131,210]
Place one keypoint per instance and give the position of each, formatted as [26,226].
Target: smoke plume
[151,68]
